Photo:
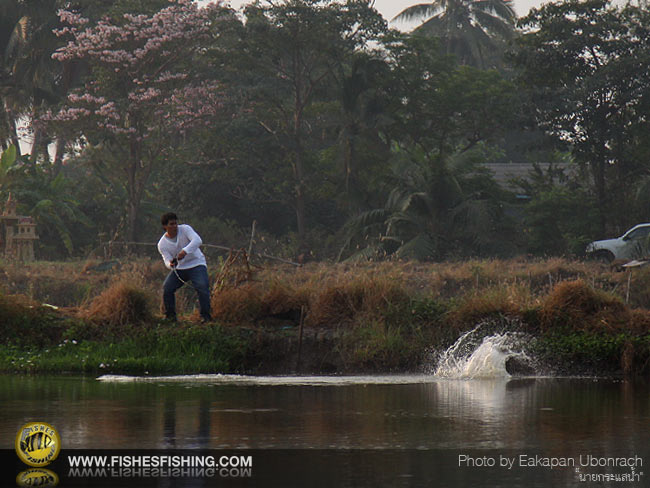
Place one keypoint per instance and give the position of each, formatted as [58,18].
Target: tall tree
[435,208]
[363,117]
[588,66]
[443,107]
[472,30]
[297,45]
[143,93]
[30,80]
[8,17]
[26,70]
[446,117]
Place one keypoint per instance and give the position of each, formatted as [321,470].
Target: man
[179,248]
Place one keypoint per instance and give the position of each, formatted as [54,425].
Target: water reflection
[450,414]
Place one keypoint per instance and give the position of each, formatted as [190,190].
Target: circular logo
[37,477]
[37,444]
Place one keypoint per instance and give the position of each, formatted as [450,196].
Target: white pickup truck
[634,244]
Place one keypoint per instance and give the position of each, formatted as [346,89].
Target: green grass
[581,351]
[163,351]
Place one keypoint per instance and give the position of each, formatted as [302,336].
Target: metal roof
[504,173]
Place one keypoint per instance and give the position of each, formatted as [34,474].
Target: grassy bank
[371,317]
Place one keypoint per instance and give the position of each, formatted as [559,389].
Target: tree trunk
[39,146]
[15,140]
[299,177]
[133,202]
[139,170]
[598,171]
[348,150]
[298,170]
[58,157]
[131,205]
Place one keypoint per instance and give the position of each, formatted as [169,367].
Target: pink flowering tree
[143,94]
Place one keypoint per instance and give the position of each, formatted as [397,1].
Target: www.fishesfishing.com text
[159,466]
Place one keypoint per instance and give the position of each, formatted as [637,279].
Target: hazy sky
[390,8]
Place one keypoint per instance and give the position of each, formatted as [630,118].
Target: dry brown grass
[333,305]
[582,307]
[235,270]
[386,313]
[639,321]
[23,320]
[510,300]
[236,305]
[450,279]
[279,299]
[326,300]
[331,294]
[119,305]
[59,284]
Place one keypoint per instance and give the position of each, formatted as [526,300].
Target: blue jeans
[198,276]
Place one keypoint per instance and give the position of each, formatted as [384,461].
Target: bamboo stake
[250,244]
[302,321]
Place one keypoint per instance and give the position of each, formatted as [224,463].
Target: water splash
[478,355]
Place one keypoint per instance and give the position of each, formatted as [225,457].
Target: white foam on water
[233,379]
[475,357]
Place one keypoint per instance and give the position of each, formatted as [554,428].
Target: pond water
[394,430]
[467,423]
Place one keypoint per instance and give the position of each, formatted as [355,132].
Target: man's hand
[181,255]
[173,262]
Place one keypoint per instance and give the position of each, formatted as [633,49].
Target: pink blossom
[149,95]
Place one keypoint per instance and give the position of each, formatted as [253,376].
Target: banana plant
[7,160]
[435,207]
[50,201]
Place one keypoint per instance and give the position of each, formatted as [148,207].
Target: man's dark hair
[167,217]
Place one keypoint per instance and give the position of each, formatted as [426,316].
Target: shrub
[577,305]
[506,300]
[236,305]
[24,321]
[363,298]
[282,300]
[119,305]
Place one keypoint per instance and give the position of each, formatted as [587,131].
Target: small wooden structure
[17,233]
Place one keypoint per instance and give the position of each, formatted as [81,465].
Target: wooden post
[250,244]
[300,327]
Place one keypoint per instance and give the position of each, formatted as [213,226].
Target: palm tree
[436,206]
[472,30]
[9,16]
[30,80]
[48,199]
[29,73]
[363,112]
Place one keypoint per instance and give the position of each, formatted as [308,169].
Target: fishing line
[174,264]
[181,279]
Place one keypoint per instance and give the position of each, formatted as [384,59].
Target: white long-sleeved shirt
[186,240]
